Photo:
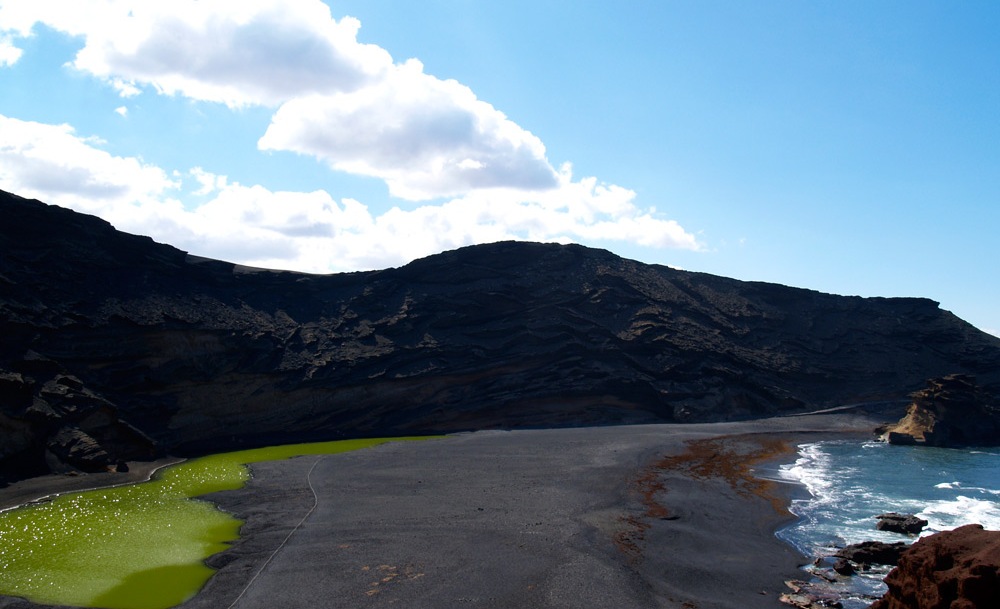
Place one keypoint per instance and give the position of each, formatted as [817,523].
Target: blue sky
[848,147]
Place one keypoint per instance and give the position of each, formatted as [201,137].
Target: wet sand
[627,517]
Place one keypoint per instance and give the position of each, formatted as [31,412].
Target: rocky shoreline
[955,569]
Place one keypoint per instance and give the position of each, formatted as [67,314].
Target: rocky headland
[116,347]
[958,569]
[951,411]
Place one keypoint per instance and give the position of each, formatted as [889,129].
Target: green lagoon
[140,546]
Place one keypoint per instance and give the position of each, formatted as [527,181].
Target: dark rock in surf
[872,552]
[906,524]
[844,567]
[805,595]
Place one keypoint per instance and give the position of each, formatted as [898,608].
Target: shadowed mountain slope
[114,346]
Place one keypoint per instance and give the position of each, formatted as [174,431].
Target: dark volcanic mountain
[114,346]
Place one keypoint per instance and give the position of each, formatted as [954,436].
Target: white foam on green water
[140,546]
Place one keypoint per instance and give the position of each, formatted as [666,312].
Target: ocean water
[851,482]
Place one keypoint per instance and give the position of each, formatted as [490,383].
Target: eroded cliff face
[950,411]
[197,355]
[957,569]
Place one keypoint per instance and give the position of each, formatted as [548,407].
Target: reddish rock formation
[957,569]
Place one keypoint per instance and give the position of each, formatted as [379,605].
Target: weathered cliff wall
[155,350]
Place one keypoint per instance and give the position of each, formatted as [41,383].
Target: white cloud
[340,100]
[19,16]
[9,54]
[425,137]
[121,111]
[51,162]
[210,182]
[308,231]
[237,53]
[125,88]
[336,99]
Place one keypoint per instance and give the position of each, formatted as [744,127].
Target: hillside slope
[115,346]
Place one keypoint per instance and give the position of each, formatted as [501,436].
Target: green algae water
[140,546]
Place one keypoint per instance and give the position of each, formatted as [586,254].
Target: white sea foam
[959,486]
[809,469]
[948,514]
[813,469]
[850,484]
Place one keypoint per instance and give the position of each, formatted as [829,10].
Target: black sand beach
[635,516]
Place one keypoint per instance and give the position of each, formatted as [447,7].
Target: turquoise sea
[849,483]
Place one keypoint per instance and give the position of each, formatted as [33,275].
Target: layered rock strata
[952,411]
[115,343]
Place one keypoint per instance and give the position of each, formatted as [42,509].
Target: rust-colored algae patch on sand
[648,485]
[733,459]
[728,458]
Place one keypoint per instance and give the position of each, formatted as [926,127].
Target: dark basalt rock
[146,348]
[957,569]
[73,446]
[952,411]
[907,524]
[872,552]
[62,424]
[805,595]
[844,567]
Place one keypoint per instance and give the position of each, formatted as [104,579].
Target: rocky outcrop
[906,524]
[75,447]
[957,569]
[141,346]
[872,552]
[952,411]
[805,595]
[52,422]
